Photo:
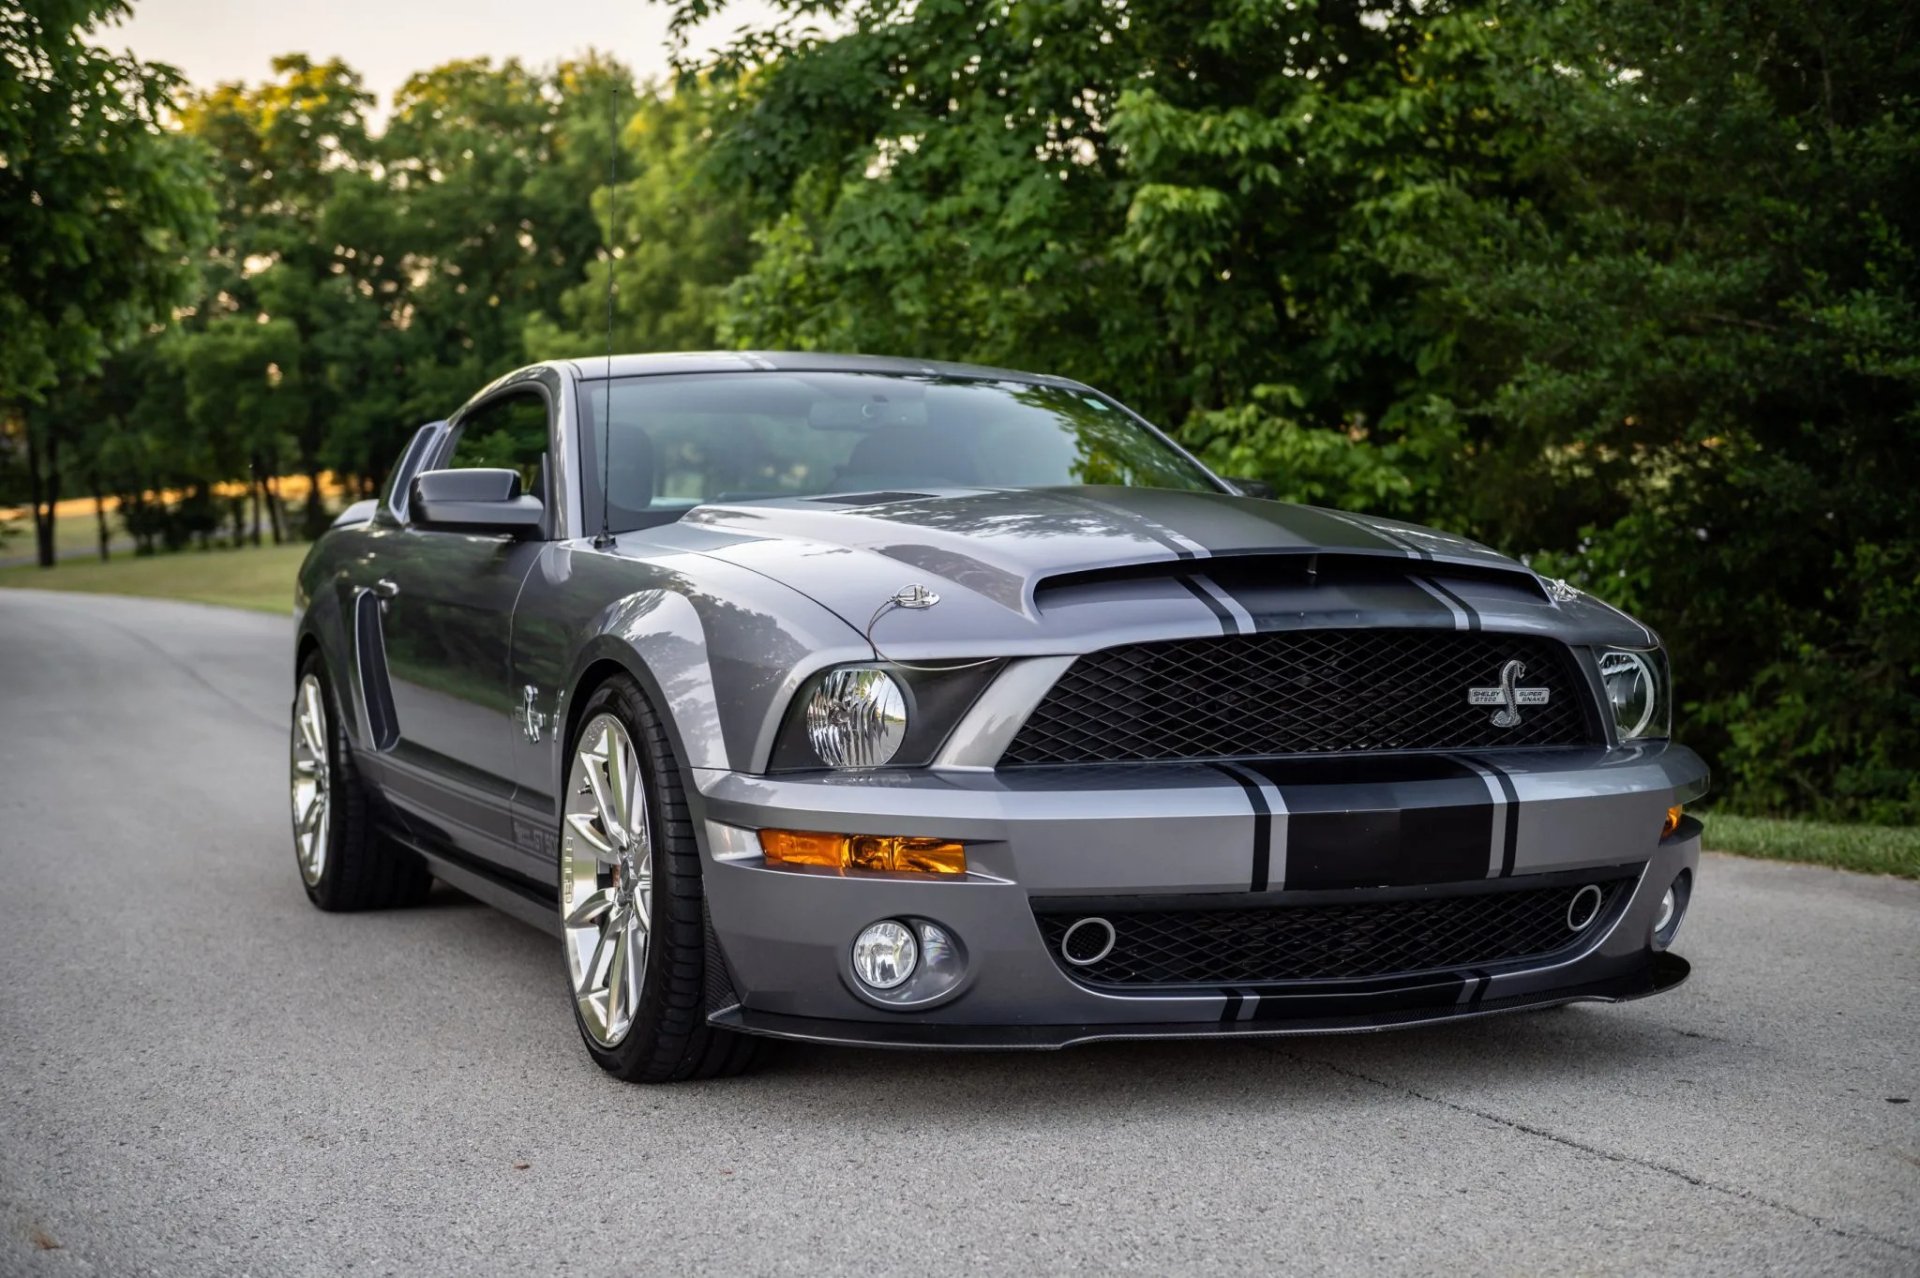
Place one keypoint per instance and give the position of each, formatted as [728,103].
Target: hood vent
[1267,570]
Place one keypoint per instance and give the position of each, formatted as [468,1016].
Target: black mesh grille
[1331,942]
[1300,692]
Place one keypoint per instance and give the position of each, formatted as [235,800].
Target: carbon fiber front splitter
[1663,972]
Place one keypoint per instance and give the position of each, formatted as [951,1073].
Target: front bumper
[1357,829]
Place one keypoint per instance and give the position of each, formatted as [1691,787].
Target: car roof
[595,368]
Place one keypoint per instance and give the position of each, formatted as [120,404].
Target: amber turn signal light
[864,851]
[1674,814]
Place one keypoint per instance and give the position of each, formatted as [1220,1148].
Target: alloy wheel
[606,879]
[309,781]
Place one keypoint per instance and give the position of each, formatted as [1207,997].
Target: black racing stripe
[1228,626]
[1439,995]
[1473,614]
[1262,829]
[1512,797]
[1387,846]
[1480,988]
[1231,1012]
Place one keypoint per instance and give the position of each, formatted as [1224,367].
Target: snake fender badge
[1508,697]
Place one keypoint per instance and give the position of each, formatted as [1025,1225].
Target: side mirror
[479,500]
[1251,487]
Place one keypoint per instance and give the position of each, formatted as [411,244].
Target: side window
[510,433]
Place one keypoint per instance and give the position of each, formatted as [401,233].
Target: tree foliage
[98,200]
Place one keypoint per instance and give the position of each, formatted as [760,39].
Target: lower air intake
[1336,942]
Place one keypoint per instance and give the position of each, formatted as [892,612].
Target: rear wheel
[344,862]
[631,902]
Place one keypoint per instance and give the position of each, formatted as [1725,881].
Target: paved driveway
[201,1073]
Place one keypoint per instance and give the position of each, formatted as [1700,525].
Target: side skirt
[523,901]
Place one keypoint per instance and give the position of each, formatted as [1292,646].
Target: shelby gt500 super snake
[877,701]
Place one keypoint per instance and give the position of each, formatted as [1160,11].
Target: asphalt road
[199,1073]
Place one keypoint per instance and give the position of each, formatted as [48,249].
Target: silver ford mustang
[884,702]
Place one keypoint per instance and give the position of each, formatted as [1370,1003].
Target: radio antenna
[605,537]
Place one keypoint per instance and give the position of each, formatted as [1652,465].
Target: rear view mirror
[479,500]
[1252,487]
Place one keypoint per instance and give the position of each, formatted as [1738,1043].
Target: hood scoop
[1280,569]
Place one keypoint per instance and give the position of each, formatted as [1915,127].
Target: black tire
[670,1041]
[363,870]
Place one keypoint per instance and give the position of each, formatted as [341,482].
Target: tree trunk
[43,490]
[315,520]
[276,509]
[258,483]
[100,517]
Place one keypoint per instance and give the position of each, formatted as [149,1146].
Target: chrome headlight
[856,718]
[1636,685]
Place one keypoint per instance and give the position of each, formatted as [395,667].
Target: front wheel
[631,903]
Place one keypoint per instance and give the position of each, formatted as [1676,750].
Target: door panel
[446,602]
[446,626]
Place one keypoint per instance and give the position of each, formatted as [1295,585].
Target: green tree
[289,330]
[678,239]
[491,170]
[100,202]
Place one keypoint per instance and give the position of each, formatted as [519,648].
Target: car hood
[1001,543]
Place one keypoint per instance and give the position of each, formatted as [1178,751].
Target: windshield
[680,441]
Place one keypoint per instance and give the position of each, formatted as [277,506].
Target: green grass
[1868,849]
[261,579]
[70,533]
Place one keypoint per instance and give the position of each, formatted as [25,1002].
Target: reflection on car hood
[999,543]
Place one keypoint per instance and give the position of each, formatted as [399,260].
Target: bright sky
[212,41]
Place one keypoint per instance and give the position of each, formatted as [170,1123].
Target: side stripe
[1231,1010]
[1269,869]
[1499,852]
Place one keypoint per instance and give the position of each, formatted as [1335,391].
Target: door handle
[385,588]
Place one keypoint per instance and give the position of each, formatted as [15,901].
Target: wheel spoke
[617,975]
[310,819]
[590,908]
[636,954]
[593,977]
[583,825]
[312,718]
[618,783]
[615,834]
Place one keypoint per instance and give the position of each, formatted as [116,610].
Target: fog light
[1672,823]
[895,852]
[1673,909]
[885,954]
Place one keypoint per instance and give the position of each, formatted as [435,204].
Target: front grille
[1300,692]
[1335,942]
